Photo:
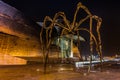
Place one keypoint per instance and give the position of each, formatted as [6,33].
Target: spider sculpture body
[72,28]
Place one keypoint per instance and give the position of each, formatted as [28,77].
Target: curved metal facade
[19,36]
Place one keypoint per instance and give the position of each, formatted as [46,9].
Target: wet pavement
[55,72]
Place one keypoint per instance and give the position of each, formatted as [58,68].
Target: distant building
[66,44]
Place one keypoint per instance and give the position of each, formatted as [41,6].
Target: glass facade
[65,45]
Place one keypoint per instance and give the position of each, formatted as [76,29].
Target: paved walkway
[35,72]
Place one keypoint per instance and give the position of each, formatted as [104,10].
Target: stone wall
[16,46]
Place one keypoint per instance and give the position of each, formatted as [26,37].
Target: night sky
[108,10]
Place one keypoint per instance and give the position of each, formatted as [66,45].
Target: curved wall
[19,36]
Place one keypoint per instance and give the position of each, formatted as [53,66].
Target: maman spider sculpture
[71,28]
